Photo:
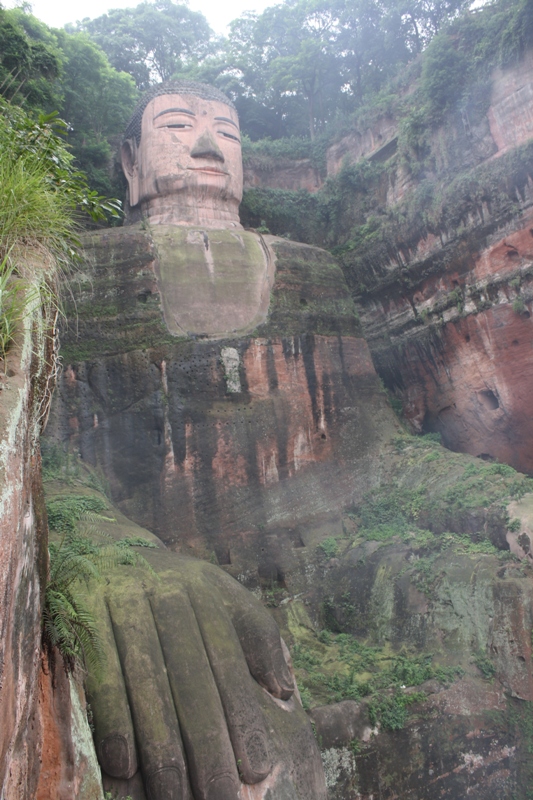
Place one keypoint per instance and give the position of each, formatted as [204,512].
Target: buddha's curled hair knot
[196,88]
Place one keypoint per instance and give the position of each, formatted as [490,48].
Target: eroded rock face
[68,765]
[471,376]
[291,176]
[461,740]
[510,113]
[45,743]
[447,316]
[462,737]
[23,560]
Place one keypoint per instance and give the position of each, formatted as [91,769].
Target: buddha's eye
[230,136]
[179,125]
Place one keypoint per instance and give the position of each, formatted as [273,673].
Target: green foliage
[388,512]
[412,671]
[444,73]
[30,61]
[282,212]
[268,154]
[11,307]
[152,41]
[324,636]
[391,712]
[339,666]
[519,306]
[58,463]
[64,513]
[97,101]
[41,193]
[485,665]
[322,218]
[77,559]
[46,70]
[432,438]
[397,511]
[458,60]
[40,189]
[305,696]
[329,546]
[67,623]
[135,541]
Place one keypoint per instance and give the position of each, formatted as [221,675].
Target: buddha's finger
[261,644]
[258,634]
[113,726]
[244,717]
[212,765]
[157,732]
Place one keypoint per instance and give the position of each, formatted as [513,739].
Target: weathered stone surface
[377,142]
[46,748]
[447,318]
[23,559]
[459,347]
[447,598]
[510,112]
[213,283]
[289,175]
[245,461]
[68,765]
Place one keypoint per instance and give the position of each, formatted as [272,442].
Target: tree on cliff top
[153,41]
[47,70]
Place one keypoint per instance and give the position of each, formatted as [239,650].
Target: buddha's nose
[206,147]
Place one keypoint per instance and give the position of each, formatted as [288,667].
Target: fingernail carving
[165,784]
[223,787]
[258,757]
[117,757]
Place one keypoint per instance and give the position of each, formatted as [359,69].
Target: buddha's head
[181,156]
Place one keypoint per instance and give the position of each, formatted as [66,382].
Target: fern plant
[67,622]
[78,559]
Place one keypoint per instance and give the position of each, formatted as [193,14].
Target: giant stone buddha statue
[197,700]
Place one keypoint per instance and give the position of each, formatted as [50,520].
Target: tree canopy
[45,70]
[153,41]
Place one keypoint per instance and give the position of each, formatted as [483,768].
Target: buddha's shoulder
[118,246]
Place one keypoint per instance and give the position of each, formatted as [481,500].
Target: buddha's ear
[130,164]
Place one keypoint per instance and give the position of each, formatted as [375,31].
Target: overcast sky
[218,12]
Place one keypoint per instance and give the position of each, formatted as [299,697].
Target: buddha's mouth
[210,170]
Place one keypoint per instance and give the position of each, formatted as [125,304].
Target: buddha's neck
[207,212]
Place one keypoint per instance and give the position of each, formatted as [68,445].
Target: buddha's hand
[195,690]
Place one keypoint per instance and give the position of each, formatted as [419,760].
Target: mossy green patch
[333,667]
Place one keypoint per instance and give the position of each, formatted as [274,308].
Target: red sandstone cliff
[447,317]
[46,750]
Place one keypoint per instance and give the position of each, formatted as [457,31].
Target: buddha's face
[189,157]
